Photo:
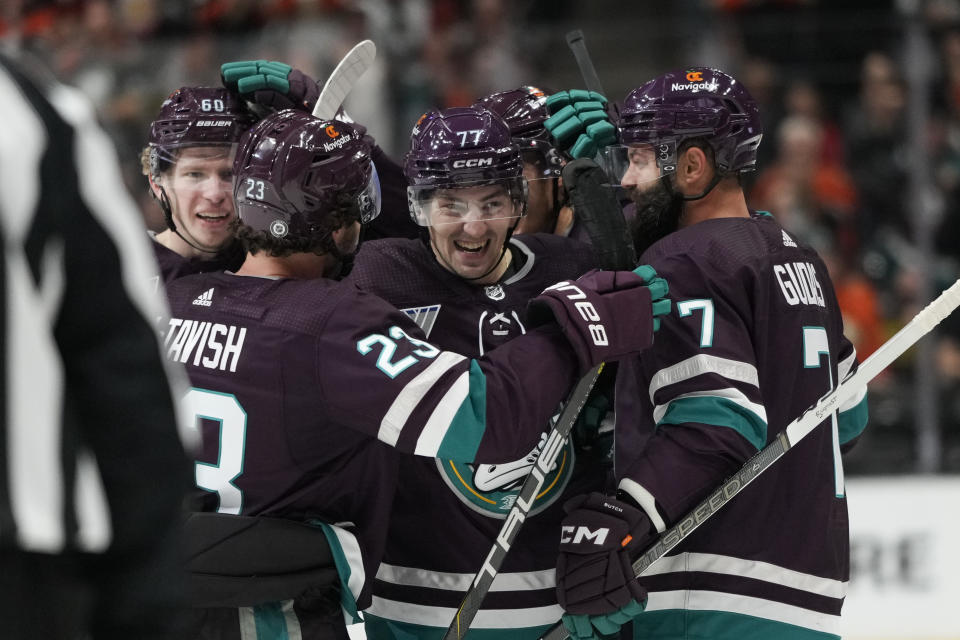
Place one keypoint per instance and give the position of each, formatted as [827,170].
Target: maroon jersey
[754,339]
[300,385]
[173,265]
[447,513]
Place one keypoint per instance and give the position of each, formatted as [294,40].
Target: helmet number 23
[255,189]
[388,349]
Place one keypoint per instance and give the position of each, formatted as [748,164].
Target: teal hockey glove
[585,627]
[274,85]
[579,122]
[658,292]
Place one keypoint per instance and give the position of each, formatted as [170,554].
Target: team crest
[492,489]
[495,292]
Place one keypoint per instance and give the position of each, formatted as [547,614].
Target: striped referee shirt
[90,457]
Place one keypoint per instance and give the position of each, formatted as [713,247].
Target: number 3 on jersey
[218,478]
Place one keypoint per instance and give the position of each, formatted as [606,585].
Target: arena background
[861,157]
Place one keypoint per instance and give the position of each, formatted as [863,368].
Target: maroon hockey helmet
[524,109]
[196,116]
[458,148]
[292,170]
[698,102]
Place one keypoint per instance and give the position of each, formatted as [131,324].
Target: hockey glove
[595,582]
[579,123]
[273,85]
[605,315]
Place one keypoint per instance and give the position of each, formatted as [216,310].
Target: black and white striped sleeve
[89,450]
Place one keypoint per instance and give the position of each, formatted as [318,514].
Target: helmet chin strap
[714,181]
[168,218]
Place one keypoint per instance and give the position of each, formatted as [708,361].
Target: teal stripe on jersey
[470,422]
[720,412]
[348,597]
[853,421]
[270,622]
[378,628]
[717,625]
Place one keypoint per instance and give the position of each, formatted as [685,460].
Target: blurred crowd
[835,164]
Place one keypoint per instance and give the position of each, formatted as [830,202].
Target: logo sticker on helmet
[278,228]
[331,132]
[694,76]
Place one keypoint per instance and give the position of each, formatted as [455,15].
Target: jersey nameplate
[799,284]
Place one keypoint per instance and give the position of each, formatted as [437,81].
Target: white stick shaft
[922,323]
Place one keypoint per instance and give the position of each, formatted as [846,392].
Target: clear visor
[205,170]
[370,199]
[163,157]
[485,201]
[638,163]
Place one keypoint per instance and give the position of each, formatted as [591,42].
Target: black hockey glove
[273,85]
[595,582]
[579,122]
[605,315]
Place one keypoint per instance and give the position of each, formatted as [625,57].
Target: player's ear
[154,187]
[694,167]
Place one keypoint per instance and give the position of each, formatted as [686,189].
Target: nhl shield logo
[495,292]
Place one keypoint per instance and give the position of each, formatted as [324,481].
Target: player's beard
[658,214]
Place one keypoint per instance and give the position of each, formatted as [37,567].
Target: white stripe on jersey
[354,556]
[703,363]
[486,618]
[735,603]
[733,395]
[450,581]
[405,402]
[729,565]
[33,437]
[428,444]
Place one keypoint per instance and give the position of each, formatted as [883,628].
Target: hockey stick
[344,77]
[556,439]
[579,48]
[922,323]
[521,507]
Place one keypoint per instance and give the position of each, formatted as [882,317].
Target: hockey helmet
[698,102]
[292,171]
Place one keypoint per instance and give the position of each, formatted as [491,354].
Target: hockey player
[189,166]
[756,338]
[300,381]
[467,283]
[524,111]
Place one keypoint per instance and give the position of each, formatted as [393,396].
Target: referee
[92,470]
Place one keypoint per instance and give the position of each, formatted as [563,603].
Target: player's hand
[274,85]
[595,582]
[658,292]
[579,123]
[605,315]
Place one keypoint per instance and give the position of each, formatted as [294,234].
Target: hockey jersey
[300,385]
[173,265]
[755,338]
[447,513]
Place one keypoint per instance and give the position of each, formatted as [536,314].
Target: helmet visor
[432,206]
[638,163]
[370,199]
[165,157]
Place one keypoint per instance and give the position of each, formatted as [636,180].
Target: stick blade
[343,78]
